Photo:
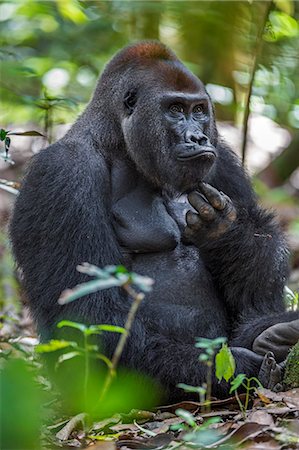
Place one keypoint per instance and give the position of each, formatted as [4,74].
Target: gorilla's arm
[248,257]
[61,219]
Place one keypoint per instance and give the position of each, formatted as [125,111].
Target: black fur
[107,193]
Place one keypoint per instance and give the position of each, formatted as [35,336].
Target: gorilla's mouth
[206,153]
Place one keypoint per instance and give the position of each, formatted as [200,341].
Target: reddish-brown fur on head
[142,51]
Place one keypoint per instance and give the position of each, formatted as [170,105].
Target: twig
[65,432]
[258,47]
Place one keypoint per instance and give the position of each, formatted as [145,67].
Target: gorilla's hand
[271,373]
[215,213]
[277,339]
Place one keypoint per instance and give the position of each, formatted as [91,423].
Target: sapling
[110,276]
[209,348]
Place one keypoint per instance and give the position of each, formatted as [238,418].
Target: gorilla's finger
[217,199]
[230,211]
[204,209]
[193,220]
[266,368]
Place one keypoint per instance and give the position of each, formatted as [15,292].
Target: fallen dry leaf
[260,417]
[195,406]
[291,398]
[104,445]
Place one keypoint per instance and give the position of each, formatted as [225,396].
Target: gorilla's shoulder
[68,155]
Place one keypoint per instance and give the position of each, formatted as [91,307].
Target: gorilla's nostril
[203,140]
[194,139]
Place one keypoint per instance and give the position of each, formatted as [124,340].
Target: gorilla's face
[170,134]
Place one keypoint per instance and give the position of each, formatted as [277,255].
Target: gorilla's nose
[196,138]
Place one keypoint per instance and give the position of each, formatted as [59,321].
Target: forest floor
[271,420]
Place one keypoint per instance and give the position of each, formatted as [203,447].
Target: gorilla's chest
[150,233]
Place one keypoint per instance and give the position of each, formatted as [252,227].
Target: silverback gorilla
[142,179]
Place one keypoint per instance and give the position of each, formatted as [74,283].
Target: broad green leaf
[187,416]
[53,345]
[3,134]
[225,363]
[237,382]
[280,25]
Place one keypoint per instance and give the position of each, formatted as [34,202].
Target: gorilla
[143,179]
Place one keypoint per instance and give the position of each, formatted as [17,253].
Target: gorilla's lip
[201,152]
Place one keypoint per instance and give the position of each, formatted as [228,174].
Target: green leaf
[209,343]
[142,282]
[225,363]
[187,416]
[89,287]
[54,345]
[280,26]
[237,382]
[188,388]
[67,357]
[68,323]
[3,134]
[203,357]
[95,329]
[26,133]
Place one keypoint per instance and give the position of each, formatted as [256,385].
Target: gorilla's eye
[130,100]
[198,109]
[176,108]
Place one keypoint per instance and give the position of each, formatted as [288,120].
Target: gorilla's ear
[130,100]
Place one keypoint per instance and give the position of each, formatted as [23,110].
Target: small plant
[196,435]
[246,383]
[225,368]
[5,137]
[88,351]
[110,276]
[209,348]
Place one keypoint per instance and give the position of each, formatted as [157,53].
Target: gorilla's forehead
[174,76]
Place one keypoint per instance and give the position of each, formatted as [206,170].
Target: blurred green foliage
[57,48]
[20,419]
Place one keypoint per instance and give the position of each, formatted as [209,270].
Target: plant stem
[209,386]
[86,368]
[242,409]
[256,53]
[247,394]
[137,299]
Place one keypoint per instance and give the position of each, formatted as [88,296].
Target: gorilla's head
[165,115]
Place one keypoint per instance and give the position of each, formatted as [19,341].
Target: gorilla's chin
[182,178]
